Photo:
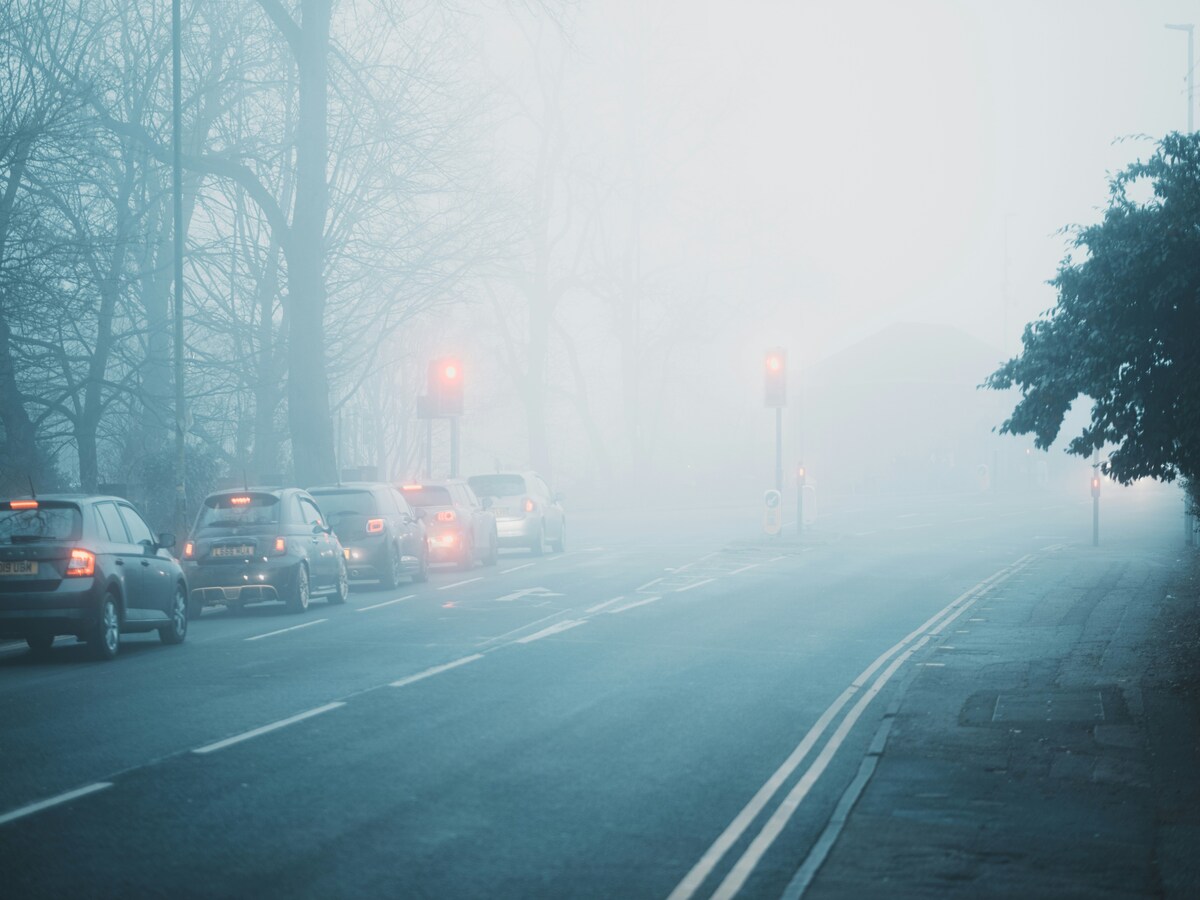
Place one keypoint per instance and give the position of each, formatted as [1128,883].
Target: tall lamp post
[177,192]
[1190,70]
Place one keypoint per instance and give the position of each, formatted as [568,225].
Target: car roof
[70,498]
[349,485]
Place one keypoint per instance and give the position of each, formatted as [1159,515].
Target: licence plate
[242,550]
[18,567]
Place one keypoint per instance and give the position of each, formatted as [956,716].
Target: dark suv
[89,566]
[382,537]
[263,544]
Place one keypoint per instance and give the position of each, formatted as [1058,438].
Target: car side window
[136,525]
[111,520]
[468,496]
[401,503]
[540,487]
[310,514]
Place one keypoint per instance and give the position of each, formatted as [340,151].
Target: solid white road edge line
[446,587]
[384,603]
[259,637]
[53,801]
[701,870]
[437,670]
[766,837]
[274,726]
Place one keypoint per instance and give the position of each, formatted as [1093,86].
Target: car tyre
[175,632]
[422,573]
[493,550]
[195,608]
[105,639]
[538,545]
[39,642]
[466,559]
[341,589]
[394,569]
[561,544]
[298,601]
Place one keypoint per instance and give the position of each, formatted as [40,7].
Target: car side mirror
[486,502]
[318,528]
[421,515]
[166,540]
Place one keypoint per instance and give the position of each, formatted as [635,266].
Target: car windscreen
[237,510]
[48,521]
[498,485]
[341,503]
[427,496]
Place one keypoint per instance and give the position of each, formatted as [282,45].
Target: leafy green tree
[1126,329]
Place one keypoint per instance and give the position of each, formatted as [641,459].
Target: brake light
[410,487]
[529,505]
[239,501]
[446,515]
[280,545]
[189,550]
[374,526]
[23,504]
[81,563]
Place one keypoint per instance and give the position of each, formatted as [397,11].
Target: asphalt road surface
[671,708]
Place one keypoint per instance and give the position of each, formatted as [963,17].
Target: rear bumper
[17,621]
[517,532]
[242,582]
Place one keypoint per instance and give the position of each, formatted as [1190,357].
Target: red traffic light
[450,370]
[445,387]
[775,374]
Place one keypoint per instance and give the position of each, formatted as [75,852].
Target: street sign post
[772,512]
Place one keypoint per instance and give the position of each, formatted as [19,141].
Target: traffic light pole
[454,446]
[779,448]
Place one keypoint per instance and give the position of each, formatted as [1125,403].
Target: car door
[480,528]
[554,510]
[323,545]
[157,590]
[411,525]
[124,555]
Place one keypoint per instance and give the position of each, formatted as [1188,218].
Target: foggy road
[672,707]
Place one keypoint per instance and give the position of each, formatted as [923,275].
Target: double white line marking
[901,652]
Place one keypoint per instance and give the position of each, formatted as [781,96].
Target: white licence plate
[18,567]
[243,550]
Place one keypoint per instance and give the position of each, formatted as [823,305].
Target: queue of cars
[89,566]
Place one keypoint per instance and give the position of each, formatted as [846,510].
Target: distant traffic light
[775,377]
[446,387]
[1095,485]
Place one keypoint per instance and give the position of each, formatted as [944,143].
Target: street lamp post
[177,192]
[1190,69]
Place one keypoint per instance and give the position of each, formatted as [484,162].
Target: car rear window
[233,510]
[426,495]
[337,503]
[49,521]
[497,485]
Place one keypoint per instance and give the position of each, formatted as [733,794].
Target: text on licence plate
[241,550]
[18,567]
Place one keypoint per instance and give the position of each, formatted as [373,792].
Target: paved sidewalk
[1048,747]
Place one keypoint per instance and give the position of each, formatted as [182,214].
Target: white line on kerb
[730,836]
[53,801]
[437,670]
[446,587]
[259,637]
[515,569]
[385,603]
[274,726]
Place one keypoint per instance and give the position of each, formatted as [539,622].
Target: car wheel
[177,630]
[298,601]
[342,589]
[105,639]
[561,544]
[493,550]
[394,570]
[422,573]
[195,608]
[466,559]
[538,545]
[39,642]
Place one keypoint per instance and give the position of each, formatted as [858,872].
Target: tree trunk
[308,383]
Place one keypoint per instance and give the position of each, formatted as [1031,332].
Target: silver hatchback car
[528,513]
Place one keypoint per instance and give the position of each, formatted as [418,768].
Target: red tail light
[189,550]
[23,504]
[446,515]
[374,526]
[529,505]
[280,545]
[81,563]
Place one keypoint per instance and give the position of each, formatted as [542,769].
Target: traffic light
[1095,485]
[800,476]
[775,377]
[446,386]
